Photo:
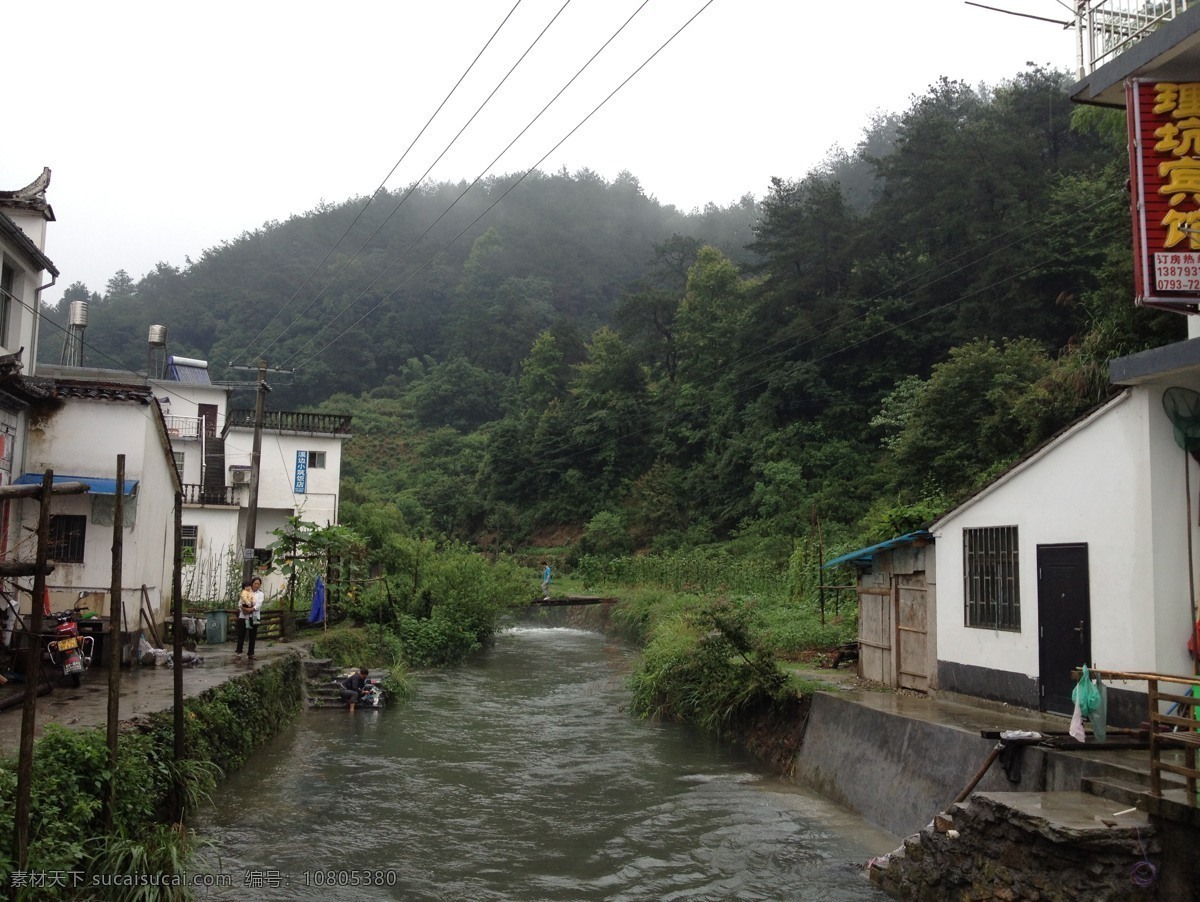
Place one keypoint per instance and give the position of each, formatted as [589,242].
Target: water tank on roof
[78,314]
[158,336]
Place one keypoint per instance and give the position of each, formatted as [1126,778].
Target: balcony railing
[198,494]
[183,427]
[1107,28]
[289,421]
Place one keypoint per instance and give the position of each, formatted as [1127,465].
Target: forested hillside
[861,348]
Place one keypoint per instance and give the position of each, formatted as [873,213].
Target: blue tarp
[98,486]
[317,614]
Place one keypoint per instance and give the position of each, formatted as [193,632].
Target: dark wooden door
[208,413]
[1064,622]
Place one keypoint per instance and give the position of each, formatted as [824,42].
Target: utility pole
[260,404]
[115,606]
[176,799]
[33,651]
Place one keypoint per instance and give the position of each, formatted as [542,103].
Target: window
[67,532]
[992,587]
[189,537]
[316,460]
[178,455]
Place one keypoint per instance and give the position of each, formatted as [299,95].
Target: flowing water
[521,777]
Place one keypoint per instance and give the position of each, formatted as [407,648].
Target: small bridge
[564,600]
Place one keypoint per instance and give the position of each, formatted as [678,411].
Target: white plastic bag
[1076,728]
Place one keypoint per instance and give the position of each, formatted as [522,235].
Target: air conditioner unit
[240,477]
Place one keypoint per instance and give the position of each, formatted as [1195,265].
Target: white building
[25,272]
[1080,554]
[299,476]
[85,421]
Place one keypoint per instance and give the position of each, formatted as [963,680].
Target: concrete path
[145,690]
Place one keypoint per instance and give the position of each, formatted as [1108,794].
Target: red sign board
[1164,160]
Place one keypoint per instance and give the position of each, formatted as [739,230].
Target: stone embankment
[1002,846]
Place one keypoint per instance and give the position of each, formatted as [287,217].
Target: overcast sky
[170,127]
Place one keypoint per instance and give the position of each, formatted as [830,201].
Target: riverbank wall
[1036,822]
[224,724]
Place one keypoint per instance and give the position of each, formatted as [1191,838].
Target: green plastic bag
[1085,694]
[1099,718]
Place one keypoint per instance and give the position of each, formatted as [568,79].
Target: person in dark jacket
[353,686]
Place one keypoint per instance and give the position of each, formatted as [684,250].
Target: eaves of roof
[102,391]
[864,556]
[14,233]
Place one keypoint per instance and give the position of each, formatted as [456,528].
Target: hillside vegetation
[852,353]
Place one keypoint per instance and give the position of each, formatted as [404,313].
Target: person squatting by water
[353,686]
[249,613]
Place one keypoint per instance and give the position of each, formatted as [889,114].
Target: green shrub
[705,667]
[71,780]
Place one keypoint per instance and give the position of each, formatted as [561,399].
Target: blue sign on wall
[301,472]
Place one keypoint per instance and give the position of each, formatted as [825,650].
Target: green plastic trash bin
[216,626]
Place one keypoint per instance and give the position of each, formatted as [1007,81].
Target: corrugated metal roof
[864,555]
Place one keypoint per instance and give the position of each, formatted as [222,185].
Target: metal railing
[184,427]
[1107,28]
[1175,728]
[194,493]
[291,421]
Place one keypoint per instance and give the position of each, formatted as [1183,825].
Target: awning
[864,556]
[99,485]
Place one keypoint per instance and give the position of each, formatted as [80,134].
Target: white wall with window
[212,571]
[297,472]
[1096,484]
[82,438]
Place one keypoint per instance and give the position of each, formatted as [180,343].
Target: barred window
[67,532]
[189,537]
[992,587]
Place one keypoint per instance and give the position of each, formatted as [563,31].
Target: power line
[491,206]
[376,192]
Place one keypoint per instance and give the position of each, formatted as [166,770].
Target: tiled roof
[101,391]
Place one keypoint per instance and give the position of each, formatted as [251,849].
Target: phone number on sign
[1162,284]
[349,878]
[1178,271]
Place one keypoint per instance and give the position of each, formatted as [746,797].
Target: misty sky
[171,127]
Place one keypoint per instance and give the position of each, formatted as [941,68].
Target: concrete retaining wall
[896,772]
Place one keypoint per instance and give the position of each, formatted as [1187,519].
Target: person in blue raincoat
[545,580]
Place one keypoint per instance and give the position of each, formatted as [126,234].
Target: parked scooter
[68,648]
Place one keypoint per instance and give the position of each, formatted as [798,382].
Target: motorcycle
[74,650]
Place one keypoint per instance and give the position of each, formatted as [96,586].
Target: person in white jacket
[250,604]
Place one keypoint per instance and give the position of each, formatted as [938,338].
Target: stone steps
[322,683]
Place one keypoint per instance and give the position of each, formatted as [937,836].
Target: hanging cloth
[317,613]
[46,601]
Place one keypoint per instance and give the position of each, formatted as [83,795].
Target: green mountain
[859,349]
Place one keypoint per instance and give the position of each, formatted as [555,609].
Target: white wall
[22,322]
[83,438]
[218,549]
[1097,485]
[277,473]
